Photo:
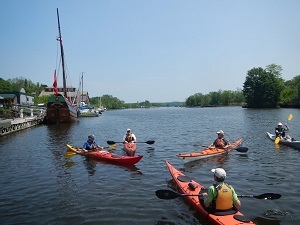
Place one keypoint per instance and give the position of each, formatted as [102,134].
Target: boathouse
[17,98]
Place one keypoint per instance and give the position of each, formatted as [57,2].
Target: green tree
[5,86]
[261,88]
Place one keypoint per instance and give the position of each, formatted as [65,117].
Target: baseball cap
[128,129]
[219,172]
[220,132]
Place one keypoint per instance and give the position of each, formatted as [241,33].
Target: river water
[39,185]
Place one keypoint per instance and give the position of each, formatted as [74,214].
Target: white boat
[288,141]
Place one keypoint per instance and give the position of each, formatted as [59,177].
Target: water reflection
[265,221]
[219,159]
[161,222]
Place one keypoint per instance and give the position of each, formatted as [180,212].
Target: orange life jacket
[224,200]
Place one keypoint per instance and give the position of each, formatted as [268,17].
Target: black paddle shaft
[168,194]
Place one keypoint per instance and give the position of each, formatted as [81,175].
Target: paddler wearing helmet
[90,144]
[220,196]
[129,136]
[220,142]
[280,130]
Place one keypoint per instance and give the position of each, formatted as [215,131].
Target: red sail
[55,83]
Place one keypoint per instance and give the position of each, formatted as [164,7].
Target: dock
[8,126]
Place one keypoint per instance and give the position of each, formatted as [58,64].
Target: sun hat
[91,136]
[279,124]
[220,132]
[219,172]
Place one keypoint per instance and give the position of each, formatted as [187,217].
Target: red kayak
[129,148]
[106,156]
[188,186]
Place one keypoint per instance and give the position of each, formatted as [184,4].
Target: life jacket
[224,199]
[219,143]
[281,132]
[129,138]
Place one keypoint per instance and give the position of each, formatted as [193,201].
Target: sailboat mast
[62,56]
[82,87]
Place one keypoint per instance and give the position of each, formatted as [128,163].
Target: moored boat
[188,186]
[59,108]
[129,148]
[208,152]
[290,142]
[106,156]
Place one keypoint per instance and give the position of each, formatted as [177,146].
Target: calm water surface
[39,185]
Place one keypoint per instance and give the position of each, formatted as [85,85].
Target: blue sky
[155,50]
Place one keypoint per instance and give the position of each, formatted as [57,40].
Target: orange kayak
[129,148]
[208,152]
[188,186]
[107,156]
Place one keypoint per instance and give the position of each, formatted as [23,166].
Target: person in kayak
[129,137]
[221,196]
[280,130]
[220,142]
[90,144]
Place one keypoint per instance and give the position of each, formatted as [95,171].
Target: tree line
[263,87]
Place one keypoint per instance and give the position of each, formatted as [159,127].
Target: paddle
[70,153]
[277,140]
[168,194]
[147,142]
[239,149]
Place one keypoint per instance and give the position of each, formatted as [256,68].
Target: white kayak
[288,141]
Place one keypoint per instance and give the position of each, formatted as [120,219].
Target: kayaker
[220,142]
[129,137]
[220,196]
[90,144]
[280,130]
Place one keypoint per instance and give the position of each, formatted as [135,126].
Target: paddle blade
[111,142]
[241,149]
[277,140]
[112,147]
[268,196]
[166,194]
[290,117]
[150,142]
[69,154]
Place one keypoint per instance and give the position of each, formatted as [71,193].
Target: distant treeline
[262,88]
[220,98]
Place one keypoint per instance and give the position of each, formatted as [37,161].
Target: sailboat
[86,110]
[59,108]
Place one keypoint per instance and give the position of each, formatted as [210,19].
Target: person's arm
[134,138]
[286,127]
[209,196]
[236,201]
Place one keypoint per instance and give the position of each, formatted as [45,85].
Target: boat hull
[60,110]
[107,156]
[287,142]
[129,148]
[208,152]
[186,185]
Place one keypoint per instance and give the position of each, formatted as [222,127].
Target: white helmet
[279,124]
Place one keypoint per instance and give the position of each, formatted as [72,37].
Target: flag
[55,83]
